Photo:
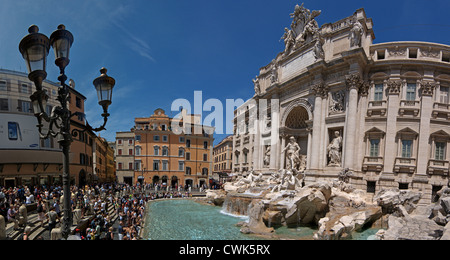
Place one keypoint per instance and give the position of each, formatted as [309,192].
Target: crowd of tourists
[128,202]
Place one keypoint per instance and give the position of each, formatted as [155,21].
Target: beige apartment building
[24,158]
[125,157]
[223,155]
[380,110]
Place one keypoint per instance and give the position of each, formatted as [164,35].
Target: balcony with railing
[409,107]
[441,111]
[373,163]
[407,165]
[377,108]
[438,167]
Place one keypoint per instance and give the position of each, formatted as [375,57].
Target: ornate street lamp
[35,48]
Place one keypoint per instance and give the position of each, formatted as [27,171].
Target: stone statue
[356,34]
[311,28]
[288,182]
[252,179]
[345,175]
[274,73]
[257,86]
[292,154]
[334,150]
[289,40]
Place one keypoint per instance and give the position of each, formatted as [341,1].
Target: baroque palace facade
[380,110]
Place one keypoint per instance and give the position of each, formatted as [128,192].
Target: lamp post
[35,48]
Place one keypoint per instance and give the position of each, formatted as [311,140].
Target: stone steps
[37,231]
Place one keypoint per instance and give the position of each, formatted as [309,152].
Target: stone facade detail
[379,110]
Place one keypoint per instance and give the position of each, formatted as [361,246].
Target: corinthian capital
[354,81]
[320,90]
[427,88]
[393,87]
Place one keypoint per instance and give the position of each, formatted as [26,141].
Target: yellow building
[164,157]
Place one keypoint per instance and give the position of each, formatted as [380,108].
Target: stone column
[427,89]
[2,228]
[275,136]
[390,151]
[257,143]
[282,155]
[320,91]
[354,82]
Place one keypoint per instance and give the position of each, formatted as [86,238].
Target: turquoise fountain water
[188,220]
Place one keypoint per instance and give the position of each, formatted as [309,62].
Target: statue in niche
[292,151]
[356,34]
[267,156]
[334,150]
[257,86]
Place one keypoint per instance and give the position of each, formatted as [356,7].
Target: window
[181,152]
[4,104]
[165,151]
[165,138]
[156,150]
[24,89]
[374,147]
[444,95]
[165,166]
[205,157]
[371,186]
[119,152]
[137,165]
[130,142]
[119,141]
[3,86]
[403,186]
[25,106]
[138,150]
[407,148]
[138,138]
[163,127]
[205,171]
[156,138]
[156,165]
[440,151]
[181,139]
[411,91]
[188,156]
[119,166]
[205,145]
[378,92]
[188,171]
[181,166]
[130,151]
[78,102]
[188,143]
[130,166]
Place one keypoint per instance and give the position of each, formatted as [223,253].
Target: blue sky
[162,50]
